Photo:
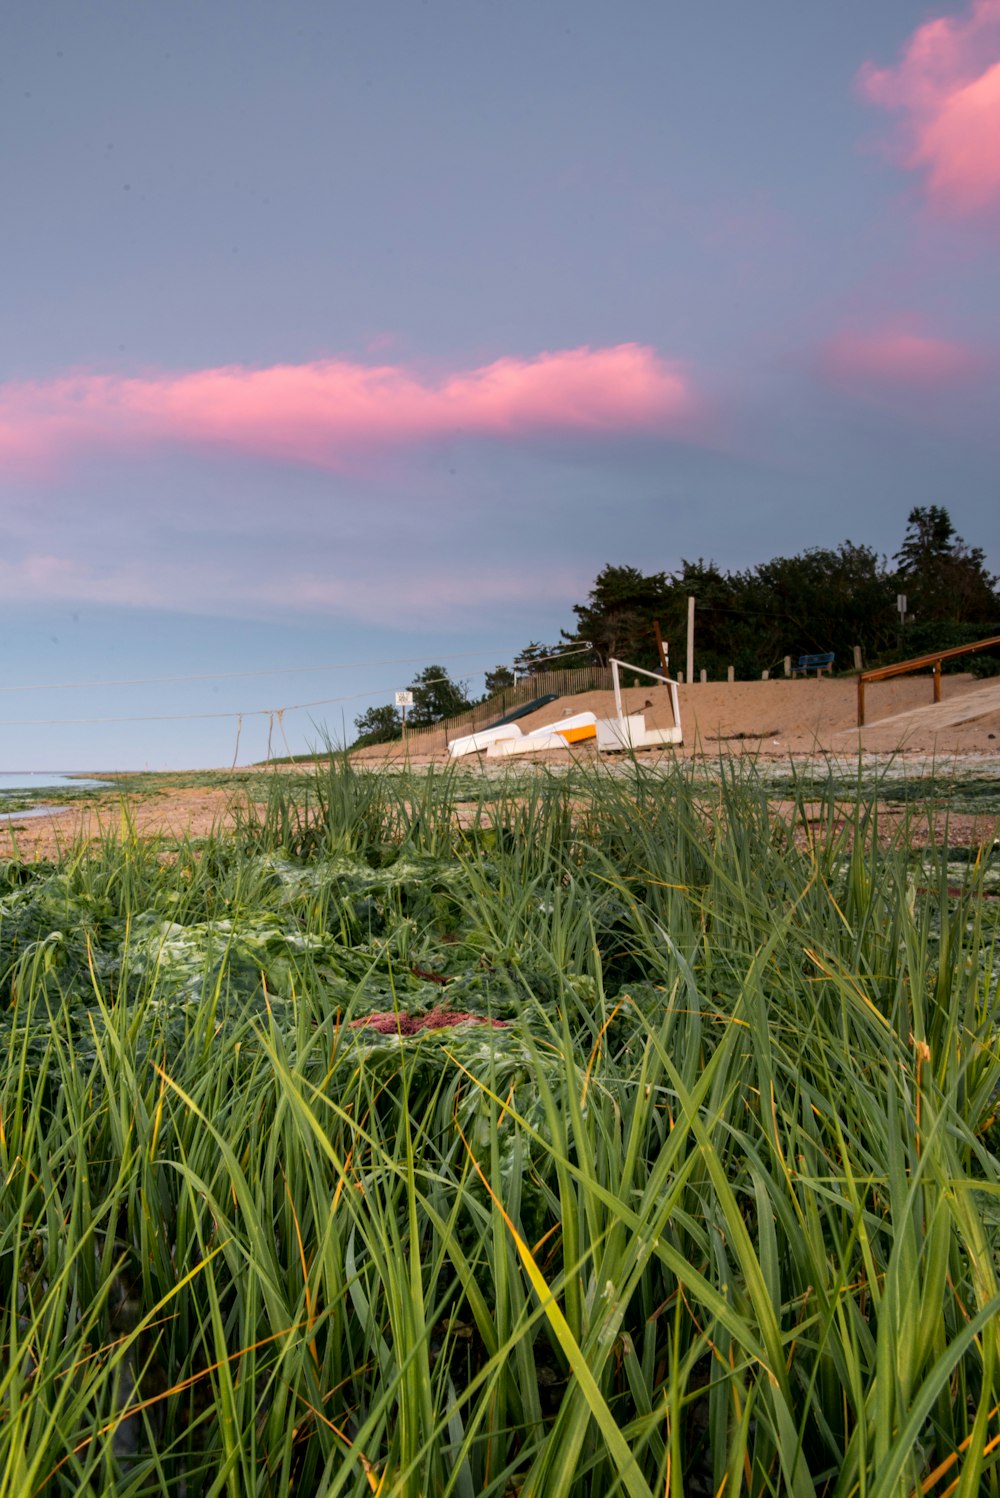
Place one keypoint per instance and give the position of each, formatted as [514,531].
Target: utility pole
[403,701]
[690,641]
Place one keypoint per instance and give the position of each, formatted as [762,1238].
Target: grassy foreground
[702,1199]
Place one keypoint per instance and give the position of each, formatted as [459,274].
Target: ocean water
[41,780]
[16,784]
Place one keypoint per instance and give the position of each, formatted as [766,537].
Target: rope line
[281,725]
[254,712]
[239,715]
[143,681]
[236,751]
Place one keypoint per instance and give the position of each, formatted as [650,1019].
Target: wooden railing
[919,663]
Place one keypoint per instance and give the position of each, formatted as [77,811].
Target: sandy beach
[774,721]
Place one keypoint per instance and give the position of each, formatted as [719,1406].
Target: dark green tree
[536,658]
[930,538]
[497,679]
[378,725]
[436,696]
[822,599]
[720,624]
[945,580]
[618,616]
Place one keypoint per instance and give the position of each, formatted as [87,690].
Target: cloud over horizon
[946,89]
[431,595]
[900,355]
[331,413]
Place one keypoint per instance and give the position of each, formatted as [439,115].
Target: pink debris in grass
[388,1022]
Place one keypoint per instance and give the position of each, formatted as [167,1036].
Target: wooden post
[616,682]
[765,675]
[704,675]
[857,658]
[730,673]
[788,665]
[661,648]
[680,678]
[937,681]
[690,640]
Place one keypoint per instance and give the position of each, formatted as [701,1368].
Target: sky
[350,336]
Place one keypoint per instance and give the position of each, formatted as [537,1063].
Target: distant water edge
[44,780]
[21,792]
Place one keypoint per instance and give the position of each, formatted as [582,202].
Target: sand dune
[779,717]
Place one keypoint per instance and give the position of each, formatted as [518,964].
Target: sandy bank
[780,717]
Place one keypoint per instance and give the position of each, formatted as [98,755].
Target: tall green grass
[713,1208]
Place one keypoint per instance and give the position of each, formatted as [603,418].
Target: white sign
[404,699]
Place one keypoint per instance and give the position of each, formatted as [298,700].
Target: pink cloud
[327,412]
[446,594]
[901,357]
[946,89]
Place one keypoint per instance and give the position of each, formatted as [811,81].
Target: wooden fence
[561,683]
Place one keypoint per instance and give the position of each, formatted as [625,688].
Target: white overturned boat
[622,733]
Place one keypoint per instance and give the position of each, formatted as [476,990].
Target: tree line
[822,599]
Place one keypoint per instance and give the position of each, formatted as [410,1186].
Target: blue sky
[347,333]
